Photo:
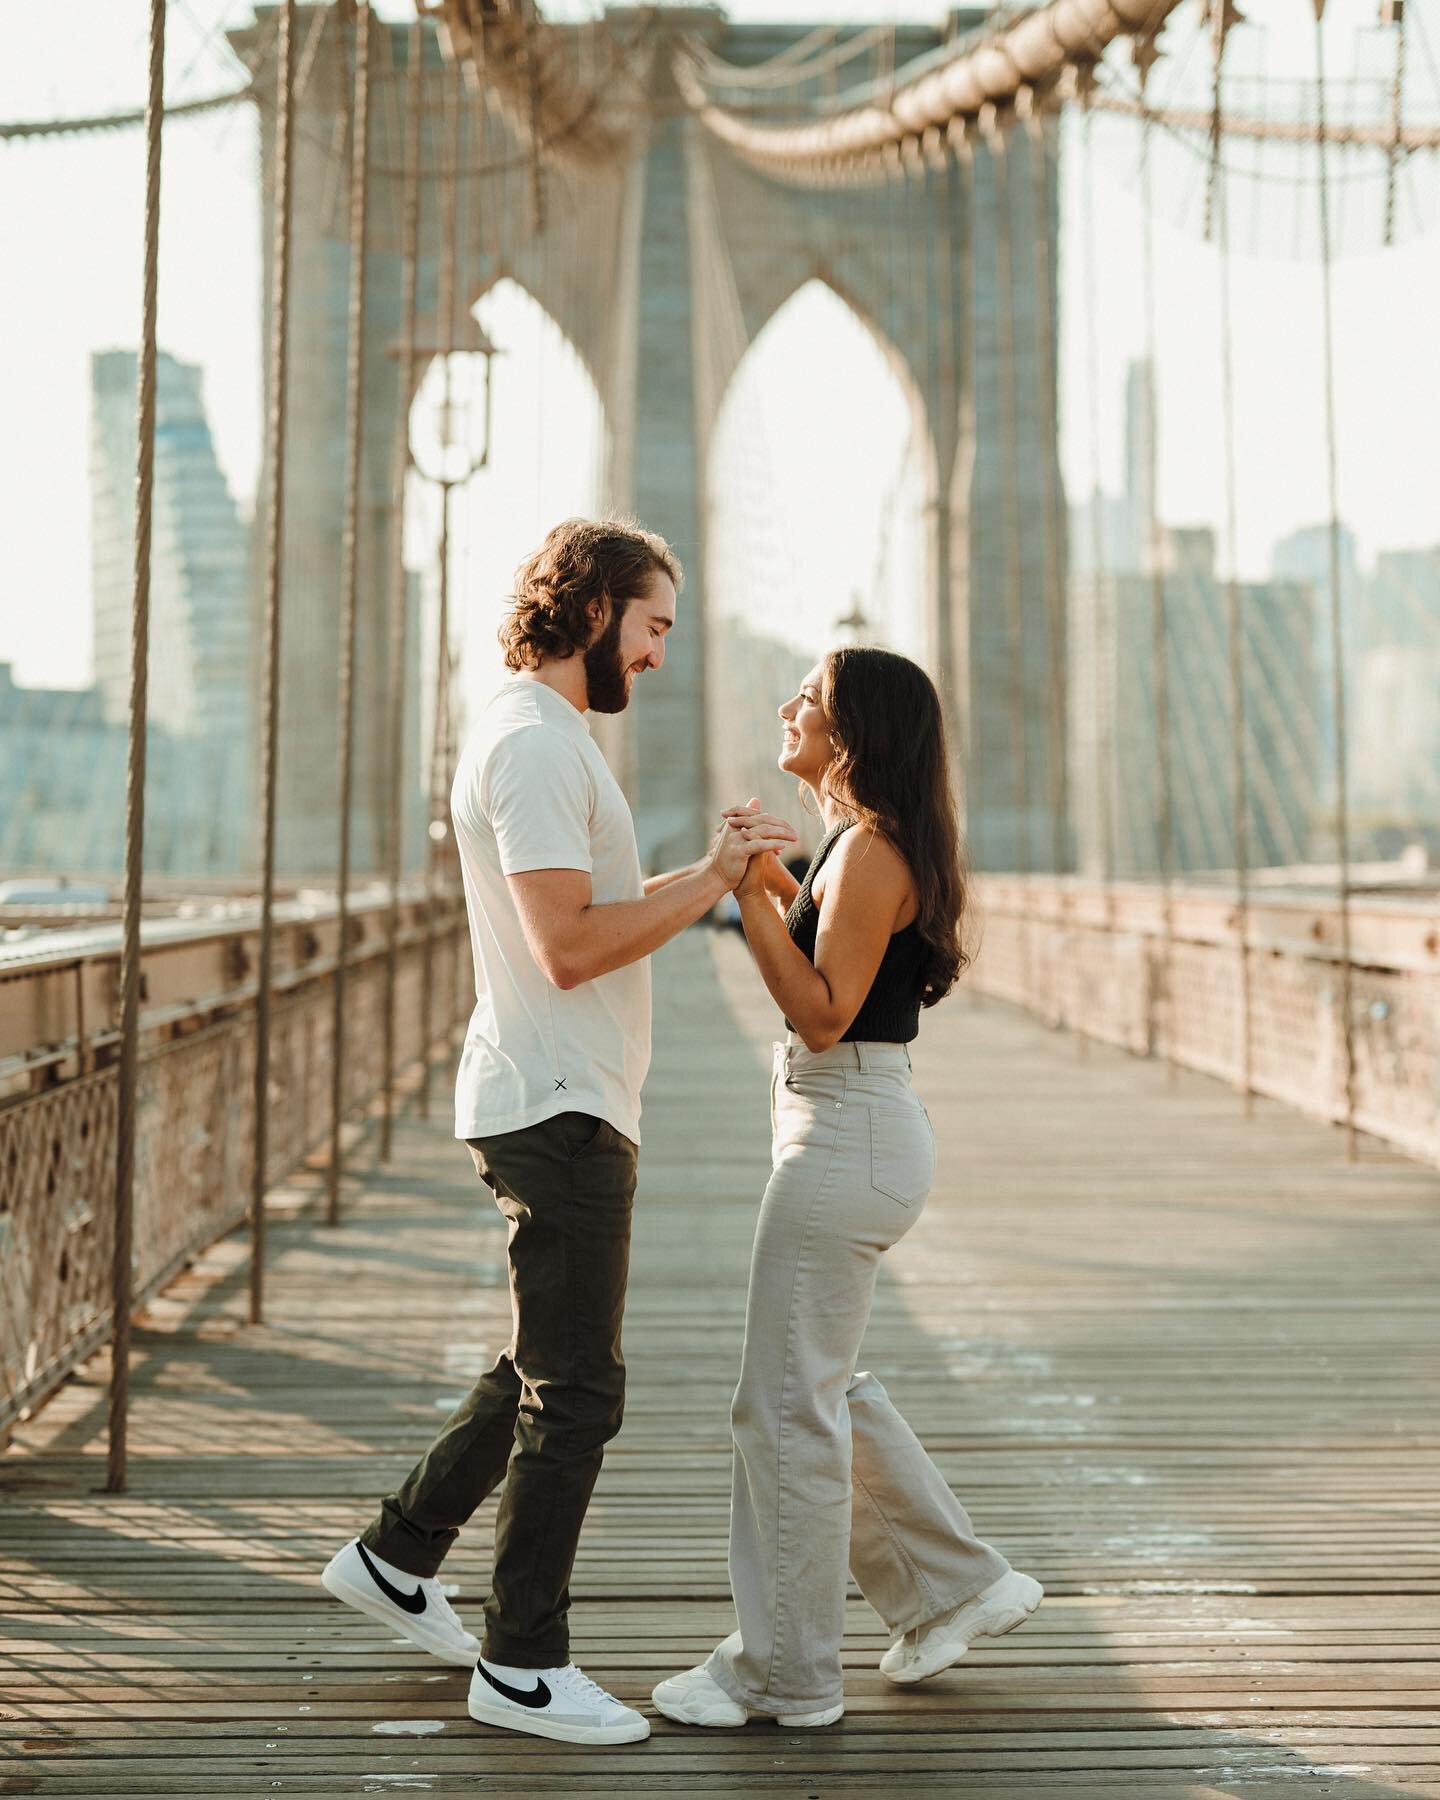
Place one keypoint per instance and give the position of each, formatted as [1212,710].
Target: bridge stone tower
[661,266]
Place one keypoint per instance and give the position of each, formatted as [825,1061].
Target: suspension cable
[1000,153]
[1218,202]
[452,117]
[349,575]
[1337,633]
[270,653]
[1038,164]
[1397,122]
[1161,997]
[1102,637]
[399,581]
[1019,784]
[18,129]
[942,525]
[537,167]
[966,357]
[128,1067]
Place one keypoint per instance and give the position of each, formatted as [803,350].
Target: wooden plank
[1176,1364]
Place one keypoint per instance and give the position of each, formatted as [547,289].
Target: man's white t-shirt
[532,791]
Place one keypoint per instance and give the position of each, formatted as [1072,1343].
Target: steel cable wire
[1038,164]
[399,579]
[1101,634]
[1234,626]
[128,1065]
[349,578]
[1161,994]
[1019,784]
[452,123]
[270,652]
[1337,632]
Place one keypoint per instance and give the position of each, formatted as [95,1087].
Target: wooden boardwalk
[1179,1366]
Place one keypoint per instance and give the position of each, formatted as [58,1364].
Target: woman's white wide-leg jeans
[827,1474]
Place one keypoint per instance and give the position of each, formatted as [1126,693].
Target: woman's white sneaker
[696,1698]
[934,1646]
[553,1703]
[415,1607]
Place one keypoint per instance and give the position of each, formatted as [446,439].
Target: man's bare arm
[654,883]
[574,940]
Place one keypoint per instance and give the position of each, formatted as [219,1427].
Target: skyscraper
[1115,733]
[1394,740]
[199,592]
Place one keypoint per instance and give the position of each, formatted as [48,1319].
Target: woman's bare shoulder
[864,853]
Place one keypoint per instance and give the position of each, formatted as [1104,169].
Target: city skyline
[200,561]
[210,316]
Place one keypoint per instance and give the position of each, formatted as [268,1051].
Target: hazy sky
[71,218]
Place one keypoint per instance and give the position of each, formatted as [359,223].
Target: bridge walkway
[1175,1363]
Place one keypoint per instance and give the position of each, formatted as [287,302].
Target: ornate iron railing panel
[195,1106]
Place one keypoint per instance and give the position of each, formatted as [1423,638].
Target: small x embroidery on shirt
[560,1084]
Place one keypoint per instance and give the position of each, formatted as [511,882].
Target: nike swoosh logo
[539,1695]
[410,1603]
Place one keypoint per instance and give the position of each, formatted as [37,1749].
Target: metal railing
[194,1125]
[1094,959]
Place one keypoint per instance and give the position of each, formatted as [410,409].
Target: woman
[826,1470]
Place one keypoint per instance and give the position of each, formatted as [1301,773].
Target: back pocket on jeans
[902,1154]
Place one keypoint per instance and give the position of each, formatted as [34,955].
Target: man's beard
[606,687]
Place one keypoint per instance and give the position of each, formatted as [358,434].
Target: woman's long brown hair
[892,770]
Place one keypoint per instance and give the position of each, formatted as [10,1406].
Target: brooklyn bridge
[1169,1323]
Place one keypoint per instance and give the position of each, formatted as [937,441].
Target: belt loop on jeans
[862,1056]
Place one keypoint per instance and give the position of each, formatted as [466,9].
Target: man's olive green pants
[540,1419]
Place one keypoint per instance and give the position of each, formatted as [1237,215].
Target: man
[548,1099]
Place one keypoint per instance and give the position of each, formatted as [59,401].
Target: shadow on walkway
[1171,1361]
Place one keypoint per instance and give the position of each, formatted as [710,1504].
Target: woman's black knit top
[890,1012]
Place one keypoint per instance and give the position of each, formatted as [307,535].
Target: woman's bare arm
[867,884]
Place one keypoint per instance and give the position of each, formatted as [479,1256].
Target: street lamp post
[451,461]
[854,624]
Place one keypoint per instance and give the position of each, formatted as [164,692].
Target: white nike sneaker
[696,1698]
[918,1654]
[418,1609]
[553,1703]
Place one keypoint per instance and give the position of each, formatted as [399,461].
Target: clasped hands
[746,846]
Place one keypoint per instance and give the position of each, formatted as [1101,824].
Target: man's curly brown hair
[580,560]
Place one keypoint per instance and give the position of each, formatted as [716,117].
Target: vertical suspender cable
[1161,989]
[1010,490]
[965,357]
[1102,649]
[461,335]
[1337,632]
[128,1068]
[1219,206]
[537,166]
[282,205]
[1396,11]
[399,584]
[1041,191]
[438,738]
[948,665]
[445,323]
[1019,784]
[920,237]
[349,575]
